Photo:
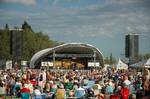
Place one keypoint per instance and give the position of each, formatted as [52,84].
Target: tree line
[32,42]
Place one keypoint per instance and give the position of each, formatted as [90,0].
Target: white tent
[138,64]
[147,64]
[121,65]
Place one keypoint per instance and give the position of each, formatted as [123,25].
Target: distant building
[132,47]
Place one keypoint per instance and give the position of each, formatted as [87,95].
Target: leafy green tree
[4,44]
[6,27]
[143,56]
[106,60]
[32,42]
[25,25]
[110,60]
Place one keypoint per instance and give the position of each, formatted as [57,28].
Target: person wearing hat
[25,89]
[60,93]
[96,89]
[132,96]
[25,92]
[36,90]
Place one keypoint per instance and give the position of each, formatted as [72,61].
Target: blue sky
[102,23]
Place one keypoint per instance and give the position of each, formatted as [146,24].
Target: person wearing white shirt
[127,81]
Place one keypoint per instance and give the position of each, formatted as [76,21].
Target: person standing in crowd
[79,84]
[124,91]
[80,92]
[42,79]
[12,85]
[146,87]
[36,90]
[7,82]
[2,90]
[60,92]
[126,80]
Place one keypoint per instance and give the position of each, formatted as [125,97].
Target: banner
[50,64]
[93,64]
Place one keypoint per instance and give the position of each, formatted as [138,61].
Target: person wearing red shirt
[25,89]
[33,82]
[124,92]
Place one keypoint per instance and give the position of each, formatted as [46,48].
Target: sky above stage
[102,23]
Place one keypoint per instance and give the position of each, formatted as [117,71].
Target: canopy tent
[139,64]
[121,65]
[147,64]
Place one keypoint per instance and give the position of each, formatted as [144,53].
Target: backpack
[41,78]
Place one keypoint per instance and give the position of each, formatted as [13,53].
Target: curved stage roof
[78,48]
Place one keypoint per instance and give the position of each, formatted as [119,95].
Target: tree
[32,42]
[6,27]
[106,60]
[4,44]
[143,56]
[25,25]
[110,60]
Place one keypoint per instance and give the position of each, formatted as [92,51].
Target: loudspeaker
[16,43]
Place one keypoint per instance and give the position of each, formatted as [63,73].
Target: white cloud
[92,21]
[123,1]
[55,2]
[26,2]
[108,24]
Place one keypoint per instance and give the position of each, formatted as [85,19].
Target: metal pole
[94,58]
[54,59]
[129,61]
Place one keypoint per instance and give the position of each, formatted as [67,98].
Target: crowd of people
[74,84]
